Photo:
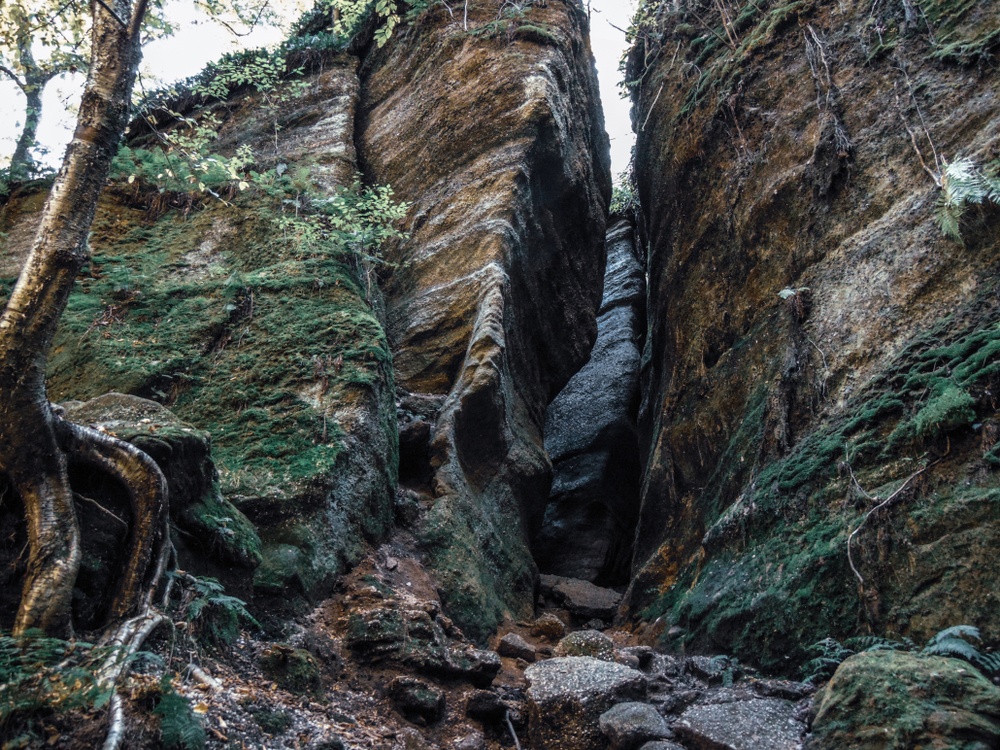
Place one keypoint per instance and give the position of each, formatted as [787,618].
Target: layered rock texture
[817,348]
[270,347]
[591,436]
[494,133]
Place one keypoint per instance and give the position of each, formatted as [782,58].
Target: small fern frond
[179,726]
[953,647]
[955,631]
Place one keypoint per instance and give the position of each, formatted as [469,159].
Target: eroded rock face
[498,143]
[278,354]
[805,311]
[890,700]
[591,437]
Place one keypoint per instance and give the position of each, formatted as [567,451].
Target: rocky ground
[378,665]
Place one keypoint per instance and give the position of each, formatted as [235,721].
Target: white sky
[192,47]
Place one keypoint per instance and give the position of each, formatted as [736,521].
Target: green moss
[293,669]
[272,722]
[963,30]
[230,534]
[247,347]
[721,65]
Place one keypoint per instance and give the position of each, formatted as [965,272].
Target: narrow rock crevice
[592,439]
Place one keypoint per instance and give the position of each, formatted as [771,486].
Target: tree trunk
[31,452]
[22,165]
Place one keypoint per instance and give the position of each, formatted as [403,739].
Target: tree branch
[12,76]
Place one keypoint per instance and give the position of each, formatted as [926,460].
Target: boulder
[629,725]
[418,701]
[661,745]
[568,695]
[894,700]
[293,669]
[588,643]
[756,724]
[516,647]
[485,706]
[582,598]
[548,626]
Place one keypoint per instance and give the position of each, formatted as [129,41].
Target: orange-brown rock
[810,323]
[495,135]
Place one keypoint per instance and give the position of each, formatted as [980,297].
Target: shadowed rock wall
[591,436]
[496,136]
[810,324]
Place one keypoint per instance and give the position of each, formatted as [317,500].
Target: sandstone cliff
[496,135]
[816,347]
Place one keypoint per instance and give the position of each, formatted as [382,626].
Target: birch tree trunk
[35,442]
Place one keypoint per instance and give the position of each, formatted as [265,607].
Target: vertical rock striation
[495,134]
[591,437]
[814,340]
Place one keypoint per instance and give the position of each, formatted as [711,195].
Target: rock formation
[591,437]
[500,146]
[816,346]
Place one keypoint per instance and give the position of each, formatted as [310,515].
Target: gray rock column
[590,435]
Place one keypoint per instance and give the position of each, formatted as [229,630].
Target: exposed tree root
[125,641]
[147,491]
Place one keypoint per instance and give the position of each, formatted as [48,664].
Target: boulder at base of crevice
[584,600]
[592,439]
[568,695]
[889,700]
[760,724]
[499,146]
[629,725]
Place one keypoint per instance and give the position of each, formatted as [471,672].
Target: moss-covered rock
[293,669]
[273,349]
[816,346]
[888,700]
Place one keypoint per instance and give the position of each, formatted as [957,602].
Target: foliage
[952,642]
[179,725]
[42,39]
[963,183]
[38,673]
[212,613]
[728,666]
[624,198]
[830,654]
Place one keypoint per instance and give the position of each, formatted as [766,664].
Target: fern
[37,672]
[963,184]
[952,642]
[179,726]
[727,666]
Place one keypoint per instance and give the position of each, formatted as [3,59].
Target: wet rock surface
[567,696]
[582,599]
[629,725]
[591,436]
[755,724]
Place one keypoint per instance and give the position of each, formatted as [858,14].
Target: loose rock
[567,696]
[417,700]
[581,598]
[587,643]
[516,647]
[759,724]
[629,725]
[894,700]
